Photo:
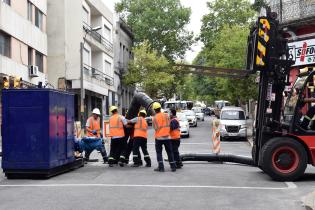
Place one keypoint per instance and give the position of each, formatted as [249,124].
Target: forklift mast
[268,54]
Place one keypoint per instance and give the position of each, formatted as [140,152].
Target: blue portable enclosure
[37,129]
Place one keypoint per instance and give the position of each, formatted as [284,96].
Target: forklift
[282,145]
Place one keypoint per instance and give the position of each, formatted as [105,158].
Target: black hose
[139,100]
[218,157]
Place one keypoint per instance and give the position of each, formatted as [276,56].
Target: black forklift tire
[283,146]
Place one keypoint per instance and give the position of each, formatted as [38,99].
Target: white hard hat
[96,111]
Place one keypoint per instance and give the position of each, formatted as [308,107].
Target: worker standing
[140,140]
[118,140]
[93,128]
[175,137]
[161,124]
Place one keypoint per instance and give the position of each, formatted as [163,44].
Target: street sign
[303,52]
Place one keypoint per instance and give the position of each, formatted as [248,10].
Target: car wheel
[203,119]
[284,159]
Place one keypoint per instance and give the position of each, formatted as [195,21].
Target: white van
[233,123]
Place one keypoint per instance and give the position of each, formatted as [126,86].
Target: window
[108,33]
[108,67]
[40,61]
[86,16]
[86,57]
[7,2]
[5,44]
[30,56]
[29,11]
[38,18]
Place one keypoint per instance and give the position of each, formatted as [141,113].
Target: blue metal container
[37,129]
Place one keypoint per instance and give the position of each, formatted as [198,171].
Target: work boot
[148,165]
[135,165]
[121,164]
[105,160]
[173,169]
[158,169]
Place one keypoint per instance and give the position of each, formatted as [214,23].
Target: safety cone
[216,147]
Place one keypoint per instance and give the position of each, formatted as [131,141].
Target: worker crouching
[161,124]
[140,140]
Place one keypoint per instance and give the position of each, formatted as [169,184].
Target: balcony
[94,35]
[293,11]
[93,73]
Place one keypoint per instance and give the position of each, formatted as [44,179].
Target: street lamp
[86,30]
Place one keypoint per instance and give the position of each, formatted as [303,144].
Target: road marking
[291,185]
[187,143]
[147,186]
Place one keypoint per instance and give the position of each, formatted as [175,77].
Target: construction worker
[118,140]
[175,137]
[93,139]
[140,140]
[161,124]
[93,124]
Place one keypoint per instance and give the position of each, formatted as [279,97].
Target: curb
[309,201]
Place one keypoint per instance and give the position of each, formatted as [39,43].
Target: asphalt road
[196,186]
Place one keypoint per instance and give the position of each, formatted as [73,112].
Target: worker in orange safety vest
[118,140]
[161,124]
[93,125]
[140,139]
[175,137]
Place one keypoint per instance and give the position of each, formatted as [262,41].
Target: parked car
[233,123]
[184,124]
[207,111]
[211,110]
[191,116]
[200,115]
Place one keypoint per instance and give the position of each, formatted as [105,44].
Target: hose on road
[218,157]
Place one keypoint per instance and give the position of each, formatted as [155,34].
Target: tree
[150,72]
[222,13]
[161,23]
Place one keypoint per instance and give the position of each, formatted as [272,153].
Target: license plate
[233,134]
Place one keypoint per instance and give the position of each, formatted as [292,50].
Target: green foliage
[161,23]
[150,71]
[224,12]
[224,32]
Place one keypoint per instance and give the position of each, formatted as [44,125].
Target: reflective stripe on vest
[161,123]
[175,134]
[94,125]
[141,128]
[116,127]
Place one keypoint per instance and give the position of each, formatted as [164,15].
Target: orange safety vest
[94,125]
[141,128]
[116,127]
[161,123]
[175,134]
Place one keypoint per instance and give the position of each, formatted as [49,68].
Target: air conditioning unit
[33,71]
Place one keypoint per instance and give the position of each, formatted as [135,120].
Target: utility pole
[82,95]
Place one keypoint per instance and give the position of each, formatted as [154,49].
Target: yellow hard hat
[143,111]
[112,108]
[156,105]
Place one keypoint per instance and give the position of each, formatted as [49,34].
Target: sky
[198,9]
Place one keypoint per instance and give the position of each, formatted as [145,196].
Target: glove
[94,132]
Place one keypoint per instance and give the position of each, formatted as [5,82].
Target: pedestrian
[140,140]
[93,139]
[175,137]
[216,136]
[118,140]
[161,124]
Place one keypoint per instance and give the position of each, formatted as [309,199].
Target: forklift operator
[308,117]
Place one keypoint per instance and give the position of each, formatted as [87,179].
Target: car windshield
[190,113]
[181,117]
[232,115]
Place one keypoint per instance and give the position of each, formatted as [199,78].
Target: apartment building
[80,38]
[123,44]
[23,41]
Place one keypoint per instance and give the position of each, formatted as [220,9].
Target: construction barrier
[216,147]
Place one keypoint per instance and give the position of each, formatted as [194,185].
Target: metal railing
[98,37]
[293,10]
[99,75]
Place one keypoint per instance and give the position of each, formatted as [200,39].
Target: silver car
[184,124]
[191,116]
[233,123]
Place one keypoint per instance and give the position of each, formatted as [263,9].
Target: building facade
[123,44]
[23,42]
[80,41]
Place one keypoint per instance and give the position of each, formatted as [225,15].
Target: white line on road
[291,185]
[148,186]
